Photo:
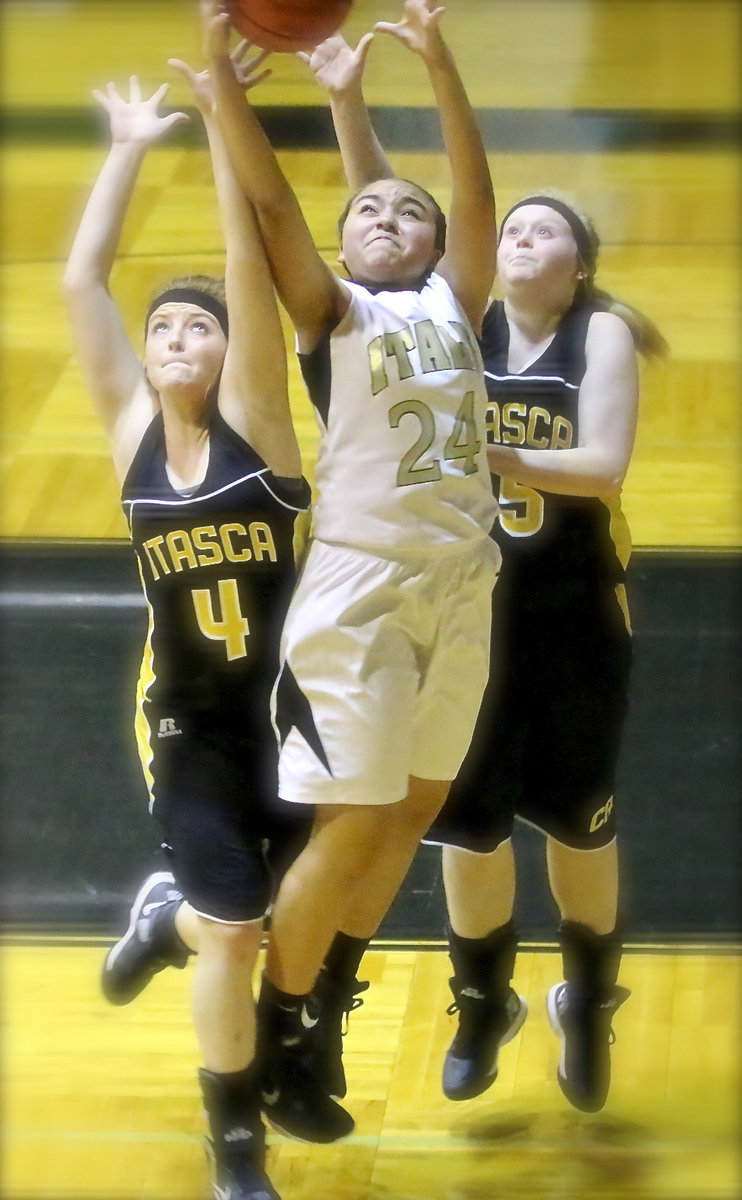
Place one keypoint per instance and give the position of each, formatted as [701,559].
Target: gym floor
[633,106]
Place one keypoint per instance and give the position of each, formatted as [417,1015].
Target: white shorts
[383,668]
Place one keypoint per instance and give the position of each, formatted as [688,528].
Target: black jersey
[217,568]
[555,548]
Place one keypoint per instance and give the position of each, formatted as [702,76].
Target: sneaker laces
[353,1002]
[620,996]
[340,1000]
[458,992]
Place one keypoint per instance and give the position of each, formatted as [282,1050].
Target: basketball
[288,25]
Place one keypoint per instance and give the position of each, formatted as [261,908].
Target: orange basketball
[288,24]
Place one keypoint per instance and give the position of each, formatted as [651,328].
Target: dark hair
[440,216]
[647,337]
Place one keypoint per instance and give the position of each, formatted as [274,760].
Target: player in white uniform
[565,652]
[401,506]
[386,640]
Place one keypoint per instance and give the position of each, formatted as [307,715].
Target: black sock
[245,1081]
[486,963]
[591,960]
[278,1022]
[272,997]
[343,959]
[232,1103]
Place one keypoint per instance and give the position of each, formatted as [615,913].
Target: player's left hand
[419,28]
[336,65]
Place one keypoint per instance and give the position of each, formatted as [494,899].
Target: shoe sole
[306,1141]
[556,1025]
[512,1031]
[517,1024]
[134,913]
[551,1008]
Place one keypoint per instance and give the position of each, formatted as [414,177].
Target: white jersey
[399,394]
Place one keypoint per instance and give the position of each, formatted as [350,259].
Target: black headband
[191,295]
[585,246]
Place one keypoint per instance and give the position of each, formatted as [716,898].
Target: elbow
[83,294]
[607,486]
[70,281]
[270,213]
[73,292]
[77,282]
[615,475]
[606,470]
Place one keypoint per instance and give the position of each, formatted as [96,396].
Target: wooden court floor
[101,1103]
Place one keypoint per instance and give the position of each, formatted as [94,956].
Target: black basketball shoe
[150,943]
[470,1066]
[294,1100]
[331,1002]
[584,1026]
[297,1105]
[237,1177]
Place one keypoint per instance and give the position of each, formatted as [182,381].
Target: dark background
[78,838]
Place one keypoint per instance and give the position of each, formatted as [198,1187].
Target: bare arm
[471,244]
[110,364]
[253,390]
[607,420]
[313,296]
[339,69]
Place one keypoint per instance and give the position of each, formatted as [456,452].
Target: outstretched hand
[246,70]
[136,121]
[215,28]
[336,65]
[418,29]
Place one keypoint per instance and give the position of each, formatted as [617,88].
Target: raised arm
[111,366]
[607,411]
[253,390]
[471,243]
[339,70]
[313,296]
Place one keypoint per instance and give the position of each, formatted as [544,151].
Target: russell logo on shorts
[168,728]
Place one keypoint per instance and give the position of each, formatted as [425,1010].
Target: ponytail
[647,338]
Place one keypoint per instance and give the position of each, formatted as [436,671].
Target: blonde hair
[209,284]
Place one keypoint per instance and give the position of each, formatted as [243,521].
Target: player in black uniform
[202,440]
[560,368]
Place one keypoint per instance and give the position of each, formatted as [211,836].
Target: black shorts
[546,744]
[228,836]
